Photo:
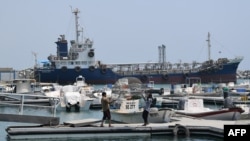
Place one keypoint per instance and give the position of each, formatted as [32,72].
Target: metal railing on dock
[29,100]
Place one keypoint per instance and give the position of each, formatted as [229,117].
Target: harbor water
[97,114]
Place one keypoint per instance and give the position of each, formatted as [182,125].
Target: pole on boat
[21,105]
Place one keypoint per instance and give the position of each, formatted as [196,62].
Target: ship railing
[155,71]
[195,70]
[153,67]
[237,59]
[29,100]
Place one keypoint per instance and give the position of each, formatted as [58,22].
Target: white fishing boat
[97,96]
[22,87]
[71,96]
[83,86]
[246,113]
[128,111]
[195,108]
[70,99]
[98,93]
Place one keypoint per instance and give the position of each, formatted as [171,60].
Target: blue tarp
[44,61]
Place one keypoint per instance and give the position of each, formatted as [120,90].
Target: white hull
[84,105]
[160,116]
[84,101]
[195,108]
[214,115]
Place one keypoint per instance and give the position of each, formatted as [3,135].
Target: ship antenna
[76,11]
[208,45]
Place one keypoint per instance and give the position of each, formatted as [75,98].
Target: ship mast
[209,46]
[76,11]
[35,55]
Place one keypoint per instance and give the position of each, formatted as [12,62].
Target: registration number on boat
[130,105]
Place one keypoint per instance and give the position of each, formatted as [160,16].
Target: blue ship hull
[98,76]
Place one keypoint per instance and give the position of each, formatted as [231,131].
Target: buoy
[64,68]
[103,70]
[91,54]
[91,68]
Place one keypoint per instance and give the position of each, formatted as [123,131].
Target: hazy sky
[126,31]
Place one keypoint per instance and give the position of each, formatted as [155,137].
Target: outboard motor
[181,104]
[172,89]
[153,102]
[68,107]
[228,102]
[77,107]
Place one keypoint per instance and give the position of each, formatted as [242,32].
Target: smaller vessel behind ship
[79,59]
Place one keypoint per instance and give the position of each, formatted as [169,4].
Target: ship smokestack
[162,54]
[62,47]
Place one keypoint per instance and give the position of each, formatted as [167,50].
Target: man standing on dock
[148,102]
[105,108]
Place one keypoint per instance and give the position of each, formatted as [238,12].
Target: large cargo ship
[79,59]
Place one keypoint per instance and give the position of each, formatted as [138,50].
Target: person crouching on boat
[106,108]
[148,102]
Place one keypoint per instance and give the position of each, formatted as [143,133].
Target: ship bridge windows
[85,46]
[84,62]
[78,63]
[46,65]
[63,63]
[89,45]
[72,42]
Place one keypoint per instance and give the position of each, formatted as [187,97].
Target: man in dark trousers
[105,108]
[148,102]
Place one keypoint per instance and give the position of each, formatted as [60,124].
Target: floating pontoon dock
[89,128]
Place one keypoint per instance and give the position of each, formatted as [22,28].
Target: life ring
[77,107]
[77,68]
[220,67]
[103,70]
[64,68]
[181,130]
[165,76]
[91,68]
[91,54]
